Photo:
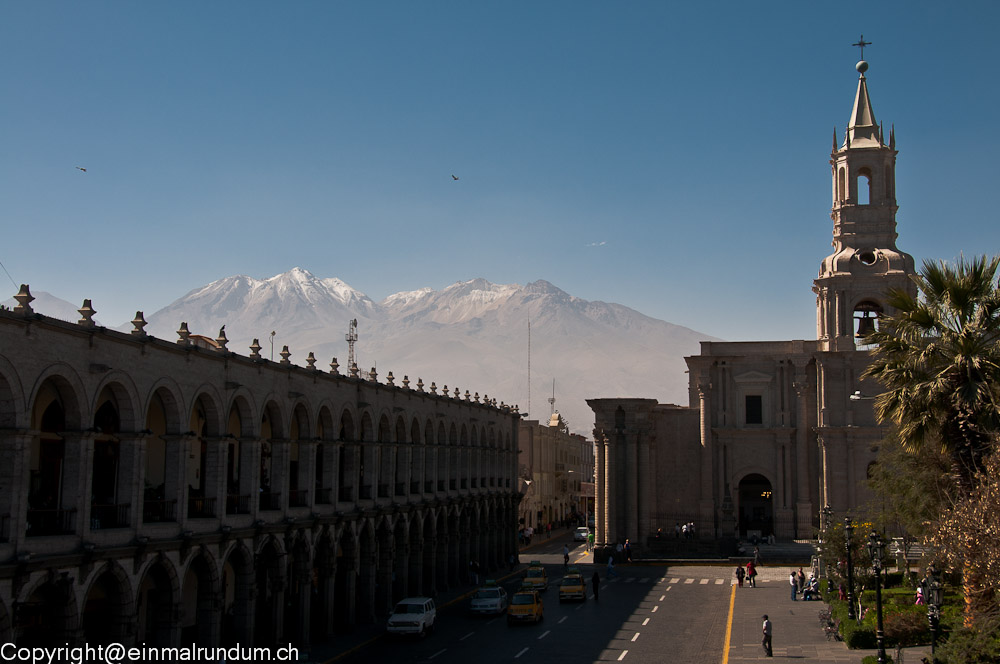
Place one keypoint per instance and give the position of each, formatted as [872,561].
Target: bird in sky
[81,168]
[454,177]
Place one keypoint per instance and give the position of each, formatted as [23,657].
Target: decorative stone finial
[335,367]
[24,298]
[311,361]
[285,354]
[476,397]
[406,382]
[517,409]
[420,384]
[468,397]
[444,390]
[183,335]
[139,322]
[354,370]
[222,340]
[87,315]
[434,389]
[389,379]
[255,350]
[373,375]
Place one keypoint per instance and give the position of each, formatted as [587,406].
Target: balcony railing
[238,503]
[103,517]
[200,507]
[298,498]
[50,522]
[270,500]
[158,511]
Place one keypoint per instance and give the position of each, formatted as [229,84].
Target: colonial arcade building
[771,434]
[169,492]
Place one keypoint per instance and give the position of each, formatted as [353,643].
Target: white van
[413,615]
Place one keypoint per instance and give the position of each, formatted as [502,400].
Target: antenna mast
[529,368]
[552,399]
[351,337]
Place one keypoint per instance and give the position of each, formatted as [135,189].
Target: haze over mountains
[472,335]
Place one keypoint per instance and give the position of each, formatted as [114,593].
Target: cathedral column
[610,529]
[644,487]
[706,498]
[803,504]
[632,483]
[15,477]
[600,508]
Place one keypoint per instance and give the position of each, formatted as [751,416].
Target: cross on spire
[861,43]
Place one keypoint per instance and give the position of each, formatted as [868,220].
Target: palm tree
[938,357]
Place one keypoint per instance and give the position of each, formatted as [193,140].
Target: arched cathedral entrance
[756,507]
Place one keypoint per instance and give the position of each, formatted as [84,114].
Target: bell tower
[853,281]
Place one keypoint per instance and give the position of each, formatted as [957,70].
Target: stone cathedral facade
[771,434]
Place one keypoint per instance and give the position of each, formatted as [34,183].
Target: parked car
[490,599]
[413,615]
[525,606]
[580,534]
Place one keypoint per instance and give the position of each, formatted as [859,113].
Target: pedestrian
[565,556]
[802,580]
[677,529]
[513,562]
[766,641]
[611,566]
[595,581]
[740,573]
[751,574]
[792,579]
[590,541]
[474,569]
[628,551]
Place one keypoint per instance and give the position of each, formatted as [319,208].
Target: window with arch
[864,186]
[841,184]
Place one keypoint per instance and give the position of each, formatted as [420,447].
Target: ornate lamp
[876,550]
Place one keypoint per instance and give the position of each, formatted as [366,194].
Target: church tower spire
[853,281]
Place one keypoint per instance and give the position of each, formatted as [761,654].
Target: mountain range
[473,335]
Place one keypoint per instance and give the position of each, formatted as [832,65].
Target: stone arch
[367,427]
[48,614]
[59,383]
[298,463]
[237,596]
[120,387]
[270,582]
[205,413]
[108,607]
[12,414]
[755,504]
[199,619]
[157,596]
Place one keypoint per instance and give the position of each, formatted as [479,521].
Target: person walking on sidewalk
[751,574]
[565,556]
[611,567]
[792,579]
[740,573]
[595,581]
[766,641]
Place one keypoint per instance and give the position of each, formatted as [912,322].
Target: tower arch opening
[756,507]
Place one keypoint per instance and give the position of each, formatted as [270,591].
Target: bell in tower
[866,324]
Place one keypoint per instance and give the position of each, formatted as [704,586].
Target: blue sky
[672,157]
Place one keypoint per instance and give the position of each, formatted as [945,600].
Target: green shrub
[906,628]
[873,659]
[978,645]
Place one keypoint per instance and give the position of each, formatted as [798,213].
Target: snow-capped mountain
[472,335]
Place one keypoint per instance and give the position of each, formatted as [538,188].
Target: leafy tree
[938,357]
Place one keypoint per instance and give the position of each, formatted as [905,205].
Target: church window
[864,186]
[754,408]
[841,183]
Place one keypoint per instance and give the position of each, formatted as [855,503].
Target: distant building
[554,467]
[771,433]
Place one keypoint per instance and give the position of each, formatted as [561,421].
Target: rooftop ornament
[86,315]
[434,389]
[373,375]
[139,322]
[311,361]
[389,379]
[444,390]
[354,370]
[255,350]
[406,382]
[285,354]
[420,384]
[222,340]
[184,335]
[335,367]
[24,298]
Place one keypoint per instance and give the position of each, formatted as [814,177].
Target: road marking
[622,656]
[662,597]
[718,582]
[520,653]
[729,626]
[635,636]
[655,608]
[563,619]
[466,636]
[687,581]
[437,653]
[668,589]
[703,582]
[645,622]
[674,580]
[544,634]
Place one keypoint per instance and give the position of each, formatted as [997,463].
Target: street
[645,614]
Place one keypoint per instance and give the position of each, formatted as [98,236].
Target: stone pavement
[796,630]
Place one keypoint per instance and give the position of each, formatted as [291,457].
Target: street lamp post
[876,550]
[848,532]
[934,599]
[825,517]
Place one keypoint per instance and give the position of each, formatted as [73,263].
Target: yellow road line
[729,626]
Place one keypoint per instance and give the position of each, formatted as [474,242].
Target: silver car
[489,600]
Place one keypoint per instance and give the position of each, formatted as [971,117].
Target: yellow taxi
[572,586]
[535,578]
[525,606]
